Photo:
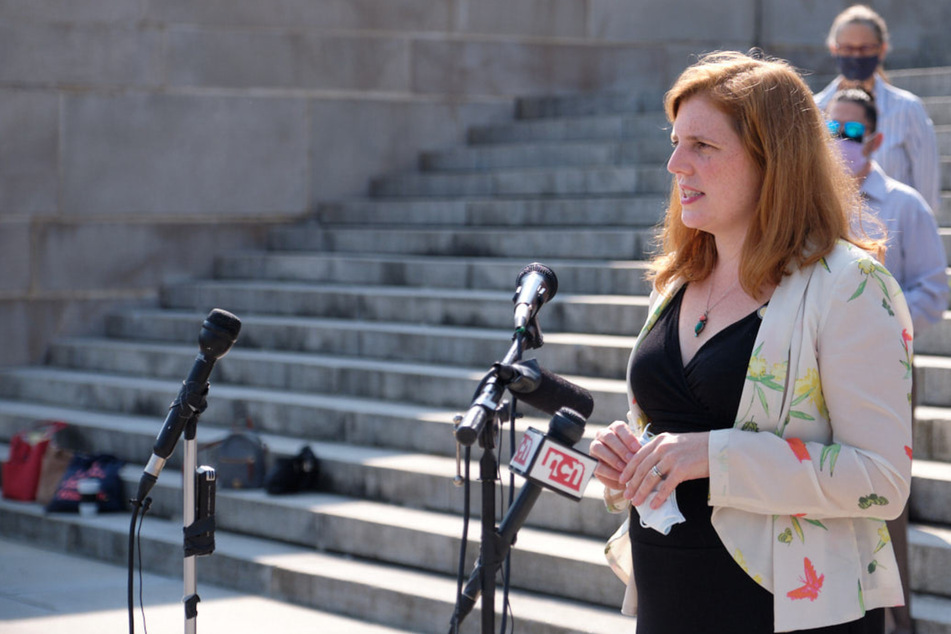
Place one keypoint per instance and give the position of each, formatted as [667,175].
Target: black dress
[687,582]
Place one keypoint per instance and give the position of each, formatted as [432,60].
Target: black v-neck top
[701,396]
[704,394]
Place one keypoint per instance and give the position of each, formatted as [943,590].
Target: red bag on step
[21,473]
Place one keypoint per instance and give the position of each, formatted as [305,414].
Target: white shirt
[915,255]
[909,152]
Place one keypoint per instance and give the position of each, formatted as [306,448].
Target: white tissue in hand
[660,519]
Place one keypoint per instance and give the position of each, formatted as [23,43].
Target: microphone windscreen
[554,392]
[223,320]
[218,333]
[566,426]
[551,280]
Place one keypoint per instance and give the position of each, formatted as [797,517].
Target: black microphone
[545,390]
[565,427]
[218,333]
[536,284]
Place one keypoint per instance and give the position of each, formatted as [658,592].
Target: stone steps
[432,385]
[398,596]
[316,416]
[639,211]
[614,314]
[939,109]
[635,211]
[582,153]
[592,180]
[924,82]
[616,243]
[597,277]
[610,126]
[358,337]
[544,561]
[335,523]
[595,180]
[448,388]
[406,478]
[590,103]
[944,139]
[932,85]
[579,354]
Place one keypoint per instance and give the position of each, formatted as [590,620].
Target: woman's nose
[676,164]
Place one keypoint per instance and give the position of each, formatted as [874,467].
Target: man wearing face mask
[858,40]
[915,255]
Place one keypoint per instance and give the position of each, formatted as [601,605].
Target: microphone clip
[194,396]
[531,334]
[520,376]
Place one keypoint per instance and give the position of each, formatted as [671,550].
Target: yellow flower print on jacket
[883,537]
[741,560]
[809,387]
[874,271]
[764,376]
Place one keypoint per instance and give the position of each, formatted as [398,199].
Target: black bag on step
[292,475]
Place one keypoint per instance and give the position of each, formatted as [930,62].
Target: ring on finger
[655,471]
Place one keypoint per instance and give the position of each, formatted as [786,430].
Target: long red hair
[806,195]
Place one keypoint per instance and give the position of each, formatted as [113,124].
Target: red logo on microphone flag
[563,469]
[524,454]
[553,465]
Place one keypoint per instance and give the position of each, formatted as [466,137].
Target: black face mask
[857,68]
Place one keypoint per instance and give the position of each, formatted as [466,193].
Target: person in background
[915,254]
[859,42]
[777,429]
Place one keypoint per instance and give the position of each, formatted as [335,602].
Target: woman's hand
[614,447]
[669,458]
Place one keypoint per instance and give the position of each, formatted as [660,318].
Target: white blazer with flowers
[820,454]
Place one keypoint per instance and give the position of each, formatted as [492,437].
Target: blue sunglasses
[851,130]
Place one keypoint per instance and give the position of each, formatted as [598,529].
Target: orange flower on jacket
[799,448]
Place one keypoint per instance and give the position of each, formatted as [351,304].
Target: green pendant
[701,324]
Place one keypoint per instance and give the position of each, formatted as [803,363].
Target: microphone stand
[482,422]
[197,515]
[189,467]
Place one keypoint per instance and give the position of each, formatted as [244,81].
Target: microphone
[538,452]
[545,390]
[531,384]
[218,333]
[536,284]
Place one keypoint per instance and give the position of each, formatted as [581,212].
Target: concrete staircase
[365,331]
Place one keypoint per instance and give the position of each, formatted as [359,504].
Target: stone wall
[140,137]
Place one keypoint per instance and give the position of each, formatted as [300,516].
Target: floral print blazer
[820,454]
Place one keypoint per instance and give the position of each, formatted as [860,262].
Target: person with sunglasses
[858,40]
[915,254]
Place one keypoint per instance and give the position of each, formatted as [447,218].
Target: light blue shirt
[915,254]
[909,152]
